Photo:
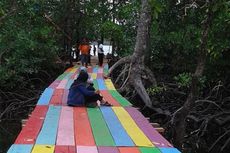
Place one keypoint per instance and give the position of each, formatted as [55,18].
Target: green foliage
[155,90]
[27,47]
[183,79]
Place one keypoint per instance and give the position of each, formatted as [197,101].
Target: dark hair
[83,76]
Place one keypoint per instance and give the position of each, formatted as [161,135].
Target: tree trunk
[181,114]
[141,46]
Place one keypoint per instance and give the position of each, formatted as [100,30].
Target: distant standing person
[94,50]
[84,48]
[100,53]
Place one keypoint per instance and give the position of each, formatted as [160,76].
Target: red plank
[82,129]
[65,97]
[57,97]
[108,97]
[30,131]
[65,149]
[129,150]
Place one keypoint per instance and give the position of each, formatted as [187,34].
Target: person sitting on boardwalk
[80,94]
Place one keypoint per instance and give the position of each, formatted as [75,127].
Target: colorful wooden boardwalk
[53,127]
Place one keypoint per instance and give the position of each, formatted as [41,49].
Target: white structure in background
[106,47]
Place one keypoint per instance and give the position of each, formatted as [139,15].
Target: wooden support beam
[155,125]
[160,129]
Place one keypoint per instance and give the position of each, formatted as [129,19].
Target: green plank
[101,132]
[95,85]
[124,102]
[149,150]
[62,76]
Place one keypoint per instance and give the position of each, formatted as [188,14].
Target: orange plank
[129,150]
[82,129]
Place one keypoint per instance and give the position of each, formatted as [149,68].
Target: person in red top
[84,49]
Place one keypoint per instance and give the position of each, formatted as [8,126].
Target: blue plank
[101,84]
[121,138]
[69,83]
[45,97]
[95,69]
[169,150]
[48,133]
[20,148]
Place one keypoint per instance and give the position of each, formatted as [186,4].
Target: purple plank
[147,128]
[107,150]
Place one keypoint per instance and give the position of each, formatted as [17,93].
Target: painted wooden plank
[45,97]
[101,84]
[62,84]
[43,149]
[65,97]
[93,75]
[29,133]
[73,70]
[20,148]
[65,149]
[109,84]
[65,134]
[100,70]
[54,84]
[169,150]
[82,129]
[57,97]
[108,150]
[100,75]
[119,98]
[69,83]
[121,138]
[149,150]
[95,69]
[109,98]
[62,76]
[101,132]
[147,128]
[132,129]
[49,130]
[129,150]
[95,84]
[87,149]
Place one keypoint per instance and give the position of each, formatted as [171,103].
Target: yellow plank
[73,70]
[109,84]
[94,75]
[131,127]
[43,149]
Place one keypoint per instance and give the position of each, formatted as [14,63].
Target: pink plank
[108,150]
[62,84]
[100,70]
[100,76]
[147,128]
[30,131]
[87,149]
[66,129]
[55,84]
